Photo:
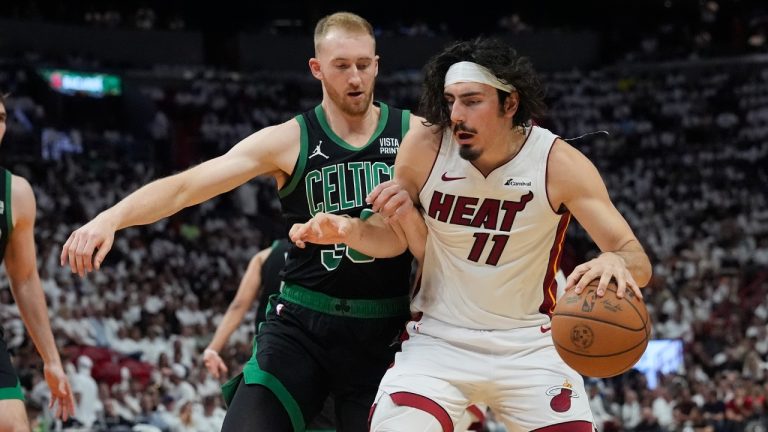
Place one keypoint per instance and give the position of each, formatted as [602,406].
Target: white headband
[472,72]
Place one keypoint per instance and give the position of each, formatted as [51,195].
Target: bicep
[271,151]
[20,260]
[416,157]
[575,183]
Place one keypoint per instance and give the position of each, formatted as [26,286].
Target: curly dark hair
[499,58]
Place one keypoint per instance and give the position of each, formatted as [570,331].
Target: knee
[389,417]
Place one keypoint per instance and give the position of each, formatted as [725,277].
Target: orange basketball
[600,336]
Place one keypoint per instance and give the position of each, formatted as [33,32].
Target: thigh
[539,391]
[256,408]
[390,416]
[285,361]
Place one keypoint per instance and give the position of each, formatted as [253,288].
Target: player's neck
[503,149]
[354,129]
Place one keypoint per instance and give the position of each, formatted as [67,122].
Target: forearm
[232,318]
[34,312]
[148,204]
[415,231]
[637,261]
[376,238]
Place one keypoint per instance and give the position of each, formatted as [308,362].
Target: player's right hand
[214,363]
[96,235]
[61,391]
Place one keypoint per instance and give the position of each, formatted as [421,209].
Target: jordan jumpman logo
[318,152]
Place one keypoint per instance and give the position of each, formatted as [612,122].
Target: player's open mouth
[355,94]
[464,136]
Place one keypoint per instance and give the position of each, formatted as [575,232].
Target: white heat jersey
[494,242]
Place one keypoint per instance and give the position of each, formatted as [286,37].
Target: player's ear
[511,102]
[376,65]
[314,67]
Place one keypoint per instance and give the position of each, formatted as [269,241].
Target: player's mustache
[460,127]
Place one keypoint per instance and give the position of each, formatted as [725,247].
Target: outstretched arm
[246,294]
[271,151]
[373,237]
[574,182]
[397,224]
[21,266]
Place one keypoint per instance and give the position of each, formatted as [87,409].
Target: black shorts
[10,387]
[303,356]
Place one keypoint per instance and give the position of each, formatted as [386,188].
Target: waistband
[353,308]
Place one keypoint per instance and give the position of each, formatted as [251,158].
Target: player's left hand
[323,228]
[61,391]
[607,266]
[390,200]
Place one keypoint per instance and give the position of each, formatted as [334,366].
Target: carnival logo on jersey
[520,182]
[389,145]
[561,396]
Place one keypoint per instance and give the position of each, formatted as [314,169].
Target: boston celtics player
[330,331]
[17,249]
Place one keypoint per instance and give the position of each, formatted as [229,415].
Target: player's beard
[469,153]
[347,106]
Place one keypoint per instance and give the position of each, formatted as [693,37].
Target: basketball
[600,336]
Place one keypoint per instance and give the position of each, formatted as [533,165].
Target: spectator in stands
[87,392]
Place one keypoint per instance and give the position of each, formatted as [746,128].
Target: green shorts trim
[12,392]
[353,308]
[252,374]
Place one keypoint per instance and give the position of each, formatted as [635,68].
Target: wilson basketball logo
[582,336]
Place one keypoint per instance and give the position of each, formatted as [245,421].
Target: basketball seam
[565,314]
[645,322]
[645,340]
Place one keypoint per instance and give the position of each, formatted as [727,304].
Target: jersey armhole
[301,163]
[405,123]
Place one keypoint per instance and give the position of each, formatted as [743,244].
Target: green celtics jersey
[332,176]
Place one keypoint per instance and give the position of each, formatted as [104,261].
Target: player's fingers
[64,257]
[383,198]
[632,284]
[295,232]
[72,254]
[104,249]
[375,192]
[399,201]
[621,284]
[212,369]
[605,279]
[88,249]
[574,277]
[585,279]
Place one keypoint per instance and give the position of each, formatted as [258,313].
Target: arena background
[680,86]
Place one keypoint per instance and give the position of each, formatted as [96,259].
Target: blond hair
[346,21]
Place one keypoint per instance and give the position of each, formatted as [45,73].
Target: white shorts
[517,373]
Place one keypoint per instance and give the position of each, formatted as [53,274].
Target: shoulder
[288,131]
[565,159]
[22,200]
[570,173]
[423,134]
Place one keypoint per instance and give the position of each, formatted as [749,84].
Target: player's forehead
[466,89]
[340,44]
